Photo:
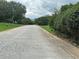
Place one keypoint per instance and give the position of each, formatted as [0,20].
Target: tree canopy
[11,11]
[42,20]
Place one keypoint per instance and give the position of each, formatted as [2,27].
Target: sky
[38,8]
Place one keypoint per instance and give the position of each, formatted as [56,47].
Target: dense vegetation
[66,21]
[42,20]
[13,12]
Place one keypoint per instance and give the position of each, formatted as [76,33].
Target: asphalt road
[32,42]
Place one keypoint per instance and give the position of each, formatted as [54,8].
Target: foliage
[11,11]
[67,21]
[65,7]
[42,21]
[26,21]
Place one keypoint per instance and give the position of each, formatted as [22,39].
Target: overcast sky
[37,8]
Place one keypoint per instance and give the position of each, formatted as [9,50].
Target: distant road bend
[32,42]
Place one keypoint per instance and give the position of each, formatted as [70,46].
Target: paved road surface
[31,42]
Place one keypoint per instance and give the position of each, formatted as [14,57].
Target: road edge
[57,38]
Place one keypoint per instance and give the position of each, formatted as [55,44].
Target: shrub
[67,22]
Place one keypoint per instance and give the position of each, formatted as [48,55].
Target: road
[32,42]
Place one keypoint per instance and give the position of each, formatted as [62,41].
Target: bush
[42,21]
[25,21]
[67,22]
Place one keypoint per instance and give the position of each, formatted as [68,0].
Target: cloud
[37,8]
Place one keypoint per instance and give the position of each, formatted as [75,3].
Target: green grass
[46,27]
[6,26]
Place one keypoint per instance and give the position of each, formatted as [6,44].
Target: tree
[18,10]
[26,21]
[42,20]
[2,0]
[11,11]
[65,7]
[4,10]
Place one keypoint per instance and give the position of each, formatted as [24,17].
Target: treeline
[13,12]
[66,21]
[42,20]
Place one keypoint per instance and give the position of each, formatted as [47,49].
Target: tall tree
[18,10]
[11,11]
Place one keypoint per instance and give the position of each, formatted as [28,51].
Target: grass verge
[46,27]
[6,26]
